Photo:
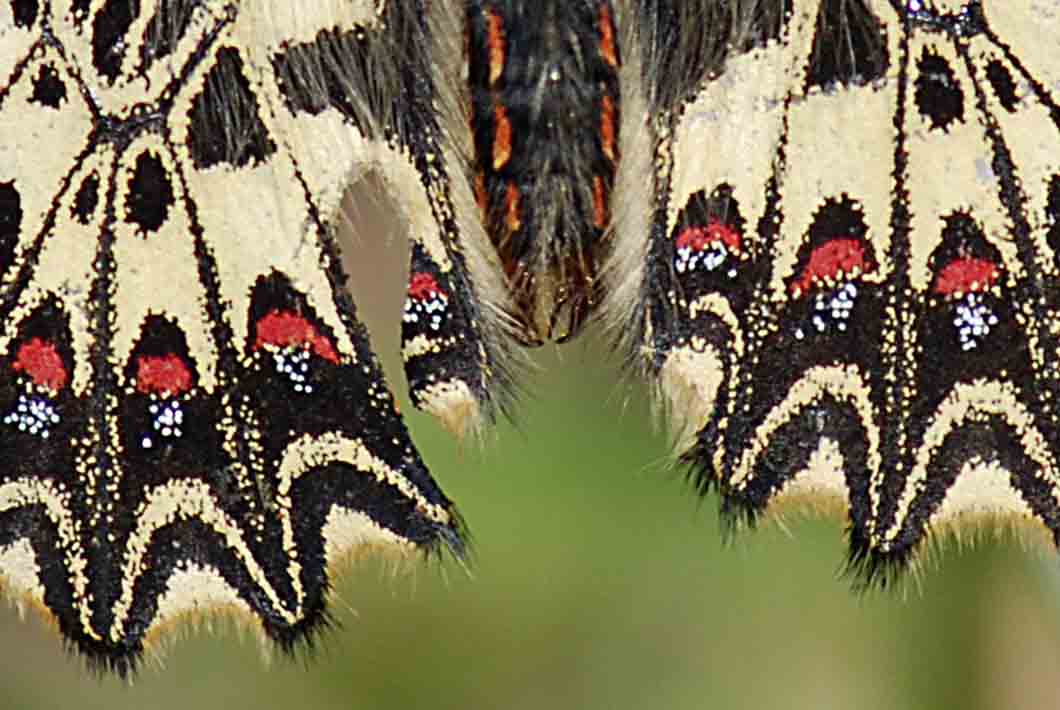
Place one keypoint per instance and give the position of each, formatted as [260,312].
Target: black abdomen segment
[543,81]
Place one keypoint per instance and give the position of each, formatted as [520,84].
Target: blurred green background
[599,581]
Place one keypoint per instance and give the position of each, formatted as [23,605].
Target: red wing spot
[965,276]
[285,329]
[699,238]
[167,375]
[423,287]
[830,261]
[41,361]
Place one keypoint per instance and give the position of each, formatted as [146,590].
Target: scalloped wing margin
[848,288]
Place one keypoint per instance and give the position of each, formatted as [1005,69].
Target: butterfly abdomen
[544,107]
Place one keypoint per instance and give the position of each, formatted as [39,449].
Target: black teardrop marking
[48,89]
[150,194]
[86,199]
[25,12]
[939,97]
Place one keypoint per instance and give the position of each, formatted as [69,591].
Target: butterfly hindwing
[849,286]
[192,417]
[986,366]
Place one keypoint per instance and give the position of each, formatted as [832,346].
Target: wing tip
[870,567]
[454,404]
[688,383]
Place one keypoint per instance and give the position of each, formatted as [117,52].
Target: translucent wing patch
[190,415]
[850,283]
